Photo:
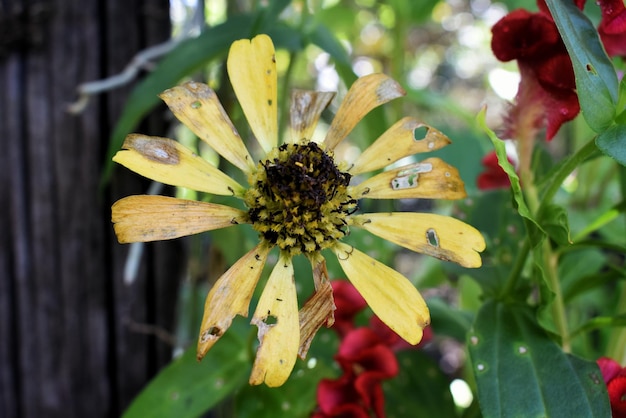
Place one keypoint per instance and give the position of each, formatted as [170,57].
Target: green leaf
[555,222]
[601,322]
[298,396]
[421,389]
[535,232]
[449,321]
[186,388]
[612,142]
[324,38]
[596,80]
[520,372]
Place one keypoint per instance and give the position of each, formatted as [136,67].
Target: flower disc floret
[298,199]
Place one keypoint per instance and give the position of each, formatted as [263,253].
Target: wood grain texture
[66,347]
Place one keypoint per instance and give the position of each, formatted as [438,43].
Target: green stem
[566,168]
[617,343]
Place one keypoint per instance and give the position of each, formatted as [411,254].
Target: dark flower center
[299,199]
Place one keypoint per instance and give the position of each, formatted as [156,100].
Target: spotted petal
[390,295]
[152,218]
[431,179]
[306,108]
[230,296]
[252,70]
[406,137]
[197,106]
[276,316]
[436,235]
[167,161]
[364,95]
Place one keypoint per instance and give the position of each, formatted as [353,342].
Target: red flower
[366,356]
[494,176]
[366,361]
[393,340]
[612,28]
[615,378]
[349,303]
[547,91]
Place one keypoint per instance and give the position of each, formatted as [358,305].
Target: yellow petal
[276,316]
[390,295]
[252,71]
[398,142]
[365,94]
[167,161]
[230,296]
[306,109]
[197,106]
[436,235]
[152,218]
[431,179]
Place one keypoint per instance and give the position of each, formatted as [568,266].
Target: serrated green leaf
[535,232]
[596,80]
[555,222]
[186,388]
[520,372]
[612,142]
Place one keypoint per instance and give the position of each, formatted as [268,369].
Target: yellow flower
[299,199]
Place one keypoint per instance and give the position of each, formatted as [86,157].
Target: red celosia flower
[393,340]
[349,303]
[612,28]
[609,368]
[366,356]
[547,91]
[617,395]
[339,398]
[366,361]
[615,378]
[494,176]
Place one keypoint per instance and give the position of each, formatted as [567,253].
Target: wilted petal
[276,316]
[252,71]
[317,311]
[364,95]
[197,106]
[390,295]
[430,179]
[306,109]
[438,236]
[150,218]
[406,137]
[230,296]
[167,161]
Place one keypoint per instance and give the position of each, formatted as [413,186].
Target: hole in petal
[407,178]
[270,320]
[420,133]
[211,333]
[432,238]
[196,105]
